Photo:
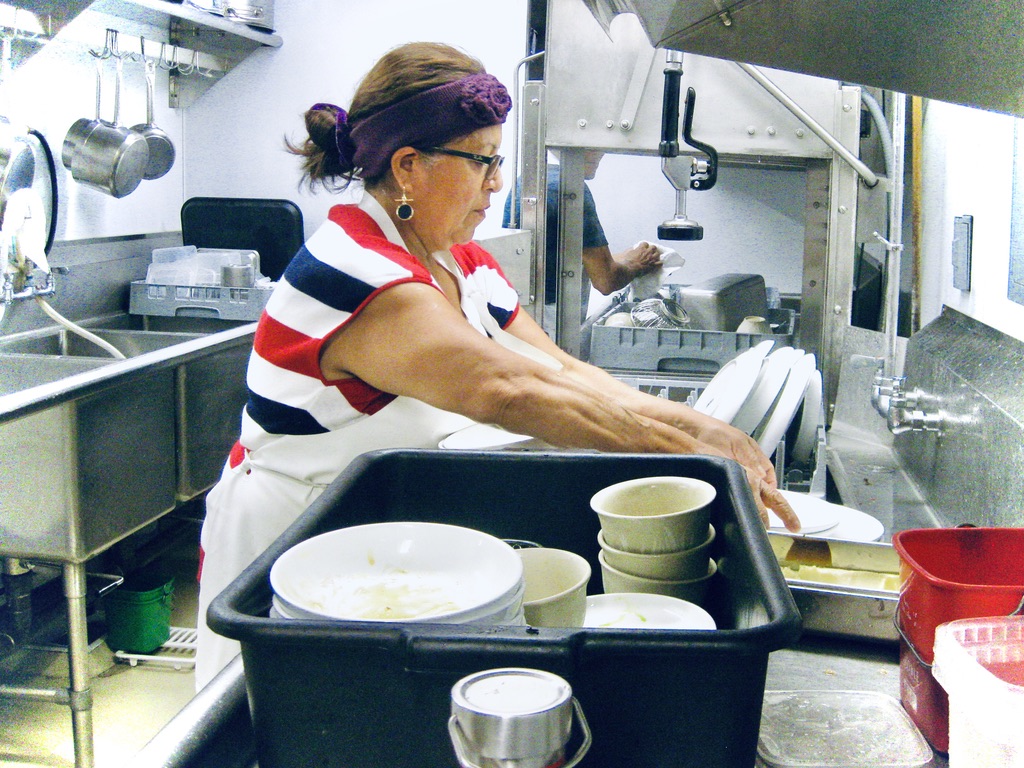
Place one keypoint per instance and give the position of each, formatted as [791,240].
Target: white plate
[727,391]
[806,440]
[813,519]
[769,384]
[482,437]
[853,524]
[626,610]
[778,421]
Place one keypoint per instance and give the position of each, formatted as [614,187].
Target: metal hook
[191,67]
[163,62]
[120,55]
[109,46]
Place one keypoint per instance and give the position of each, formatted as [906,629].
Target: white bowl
[412,572]
[651,515]
[681,565]
[637,610]
[693,590]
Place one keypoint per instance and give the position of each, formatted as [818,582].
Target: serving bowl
[402,571]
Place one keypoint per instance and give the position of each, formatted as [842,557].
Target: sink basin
[22,372]
[92,448]
[65,343]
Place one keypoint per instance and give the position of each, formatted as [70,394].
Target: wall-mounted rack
[205,45]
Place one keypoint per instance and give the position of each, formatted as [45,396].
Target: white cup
[556,587]
[754,324]
[653,515]
[691,590]
[674,566]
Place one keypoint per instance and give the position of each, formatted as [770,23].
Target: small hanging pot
[161,149]
[83,126]
[112,158]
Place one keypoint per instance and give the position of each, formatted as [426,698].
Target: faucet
[901,419]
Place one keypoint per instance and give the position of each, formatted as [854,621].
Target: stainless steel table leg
[78,664]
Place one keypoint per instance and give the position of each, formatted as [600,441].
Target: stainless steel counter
[213,730]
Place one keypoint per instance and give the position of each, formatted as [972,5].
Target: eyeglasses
[493,162]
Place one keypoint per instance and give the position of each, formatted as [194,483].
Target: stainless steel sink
[93,448]
[67,344]
[21,372]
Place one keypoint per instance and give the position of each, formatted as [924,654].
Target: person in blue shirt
[608,272]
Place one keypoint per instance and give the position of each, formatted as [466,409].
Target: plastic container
[956,573]
[838,729]
[948,574]
[138,613]
[365,695]
[980,663]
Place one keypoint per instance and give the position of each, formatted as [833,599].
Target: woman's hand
[760,471]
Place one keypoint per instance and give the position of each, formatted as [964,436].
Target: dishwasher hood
[961,51]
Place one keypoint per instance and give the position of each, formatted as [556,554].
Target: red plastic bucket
[948,574]
[956,573]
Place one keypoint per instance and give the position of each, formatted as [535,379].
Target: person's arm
[611,272]
[410,341]
[716,436]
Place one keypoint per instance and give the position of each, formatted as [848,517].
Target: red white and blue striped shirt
[304,426]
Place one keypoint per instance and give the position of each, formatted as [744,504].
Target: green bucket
[138,613]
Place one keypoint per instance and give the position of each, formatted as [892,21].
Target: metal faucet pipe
[817,129]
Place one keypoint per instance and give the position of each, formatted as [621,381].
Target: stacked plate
[769,393]
[408,572]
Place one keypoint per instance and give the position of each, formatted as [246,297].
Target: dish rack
[800,477]
[179,651]
[210,301]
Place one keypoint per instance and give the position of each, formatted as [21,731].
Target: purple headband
[427,119]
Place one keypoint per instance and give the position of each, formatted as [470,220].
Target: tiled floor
[130,703]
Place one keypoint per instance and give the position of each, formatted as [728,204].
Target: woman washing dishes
[391,328]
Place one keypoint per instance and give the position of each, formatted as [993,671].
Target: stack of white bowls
[656,536]
[400,572]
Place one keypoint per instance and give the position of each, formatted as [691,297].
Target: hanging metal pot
[83,126]
[161,149]
[112,158]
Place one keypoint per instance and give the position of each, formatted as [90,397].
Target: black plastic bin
[370,695]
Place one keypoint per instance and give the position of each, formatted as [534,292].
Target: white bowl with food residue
[628,610]
[401,572]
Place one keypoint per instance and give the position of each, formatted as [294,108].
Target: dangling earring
[404,210]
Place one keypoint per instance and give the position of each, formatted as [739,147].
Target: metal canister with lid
[514,718]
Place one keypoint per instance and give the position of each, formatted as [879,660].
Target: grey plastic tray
[678,350]
[212,301]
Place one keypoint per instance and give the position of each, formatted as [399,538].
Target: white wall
[968,169]
[753,218]
[235,132]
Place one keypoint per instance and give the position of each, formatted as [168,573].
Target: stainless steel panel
[956,51]
[514,253]
[592,79]
[92,449]
[84,473]
[971,375]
